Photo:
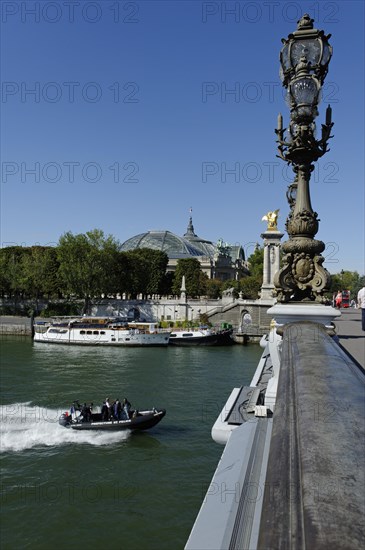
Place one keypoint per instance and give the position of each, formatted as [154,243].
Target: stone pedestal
[271,261]
[293,312]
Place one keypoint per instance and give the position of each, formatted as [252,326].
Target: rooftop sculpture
[272,220]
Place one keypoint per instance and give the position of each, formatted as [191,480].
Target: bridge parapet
[314,487]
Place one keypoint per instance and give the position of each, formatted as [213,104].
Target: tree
[250,286]
[256,263]
[87,264]
[148,268]
[120,280]
[346,280]
[11,279]
[40,271]
[214,288]
[195,279]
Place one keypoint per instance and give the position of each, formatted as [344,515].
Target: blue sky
[123,115]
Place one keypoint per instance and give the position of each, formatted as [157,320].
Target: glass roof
[180,247]
[173,245]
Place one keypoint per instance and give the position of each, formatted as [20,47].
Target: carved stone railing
[314,488]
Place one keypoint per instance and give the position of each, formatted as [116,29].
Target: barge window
[102,332]
[187,334]
[82,332]
[96,332]
[89,332]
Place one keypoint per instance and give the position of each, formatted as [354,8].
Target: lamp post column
[304,62]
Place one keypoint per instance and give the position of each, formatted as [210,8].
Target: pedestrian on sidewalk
[361,304]
[338,300]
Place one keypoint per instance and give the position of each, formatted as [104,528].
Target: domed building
[218,261]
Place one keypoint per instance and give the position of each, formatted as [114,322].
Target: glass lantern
[309,43]
[304,96]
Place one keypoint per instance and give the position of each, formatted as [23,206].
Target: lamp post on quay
[304,61]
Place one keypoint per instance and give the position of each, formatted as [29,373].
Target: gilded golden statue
[272,220]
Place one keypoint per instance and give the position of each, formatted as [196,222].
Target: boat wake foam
[24,426]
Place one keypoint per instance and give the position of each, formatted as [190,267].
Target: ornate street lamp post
[304,61]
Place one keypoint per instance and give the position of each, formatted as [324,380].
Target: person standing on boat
[85,413]
[116,409]
[126,407]
[107,403]
[119,409]
[104,411]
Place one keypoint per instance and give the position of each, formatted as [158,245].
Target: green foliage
[250,287]
[346,280]
[147,275]
[195,278]
[11,278]
[214,288]
[61,308]
[84,266]
[87,264]
[166,284]
[28,271]
[256,262]
[39,269]
[204,320]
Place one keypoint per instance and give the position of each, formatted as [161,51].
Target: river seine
[64,489]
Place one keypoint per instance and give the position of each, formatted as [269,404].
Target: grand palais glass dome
[173,245]
[216,260]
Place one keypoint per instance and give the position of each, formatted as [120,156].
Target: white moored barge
[107,331]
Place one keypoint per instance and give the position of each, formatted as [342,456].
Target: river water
[62,488]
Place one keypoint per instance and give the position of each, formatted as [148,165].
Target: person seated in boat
[126,408]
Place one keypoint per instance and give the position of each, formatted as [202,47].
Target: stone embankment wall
[19,326]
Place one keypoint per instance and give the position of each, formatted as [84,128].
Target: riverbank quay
[350,335]
[248,316]
[16,326]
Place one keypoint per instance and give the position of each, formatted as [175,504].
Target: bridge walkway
[351,336]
